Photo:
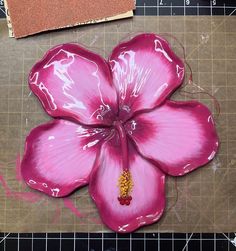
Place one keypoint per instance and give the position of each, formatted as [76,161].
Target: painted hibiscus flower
[115,128]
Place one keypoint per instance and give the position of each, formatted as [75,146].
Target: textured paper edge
[9,24]
[106,19]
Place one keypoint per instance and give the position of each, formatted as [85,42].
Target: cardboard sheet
[107,19]
[29,17]
[206,198]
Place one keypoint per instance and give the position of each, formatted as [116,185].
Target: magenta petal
[180,136]
[145,71]
[59,156]
[148,195]
[71,81]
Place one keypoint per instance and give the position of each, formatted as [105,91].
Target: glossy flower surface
[115,128]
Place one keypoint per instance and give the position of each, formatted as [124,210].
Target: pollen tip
[125,185]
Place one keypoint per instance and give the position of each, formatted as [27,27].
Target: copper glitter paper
[30,17]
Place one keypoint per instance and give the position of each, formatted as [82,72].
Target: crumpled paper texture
[206,198]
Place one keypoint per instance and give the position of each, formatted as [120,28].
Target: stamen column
[125,183]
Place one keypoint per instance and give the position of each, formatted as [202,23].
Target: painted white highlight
[159,48]
[126,108]
[32,182]
[211,156]
[69,96]
[90,144]
[179,71]
[44,90]
[186,166]
[128,72]
[133,124]
[55,191]
[84,132]
[160,90]
[60,69]
[122,229]
[210,119]
[101,111]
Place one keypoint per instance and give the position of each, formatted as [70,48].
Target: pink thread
[68,203]
[27,196]
[18,170]
[57,215]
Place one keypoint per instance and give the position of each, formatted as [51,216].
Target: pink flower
[115,128]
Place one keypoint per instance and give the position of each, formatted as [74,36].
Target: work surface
[206,199]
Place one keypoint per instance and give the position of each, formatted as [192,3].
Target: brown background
[206,200]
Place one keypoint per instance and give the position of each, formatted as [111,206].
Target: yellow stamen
[125,183]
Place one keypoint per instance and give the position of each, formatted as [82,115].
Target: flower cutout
[115,128]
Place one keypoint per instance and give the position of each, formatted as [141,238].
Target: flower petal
[71,81]
[148,196]
[145,71]
[179,136]
[59,156]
